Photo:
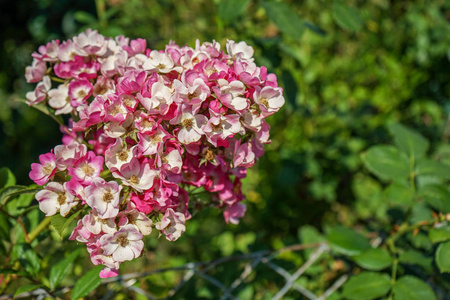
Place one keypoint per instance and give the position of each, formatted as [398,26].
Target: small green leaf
[437,197]
[347,241]
[409,141]
[26,288]
[229,10]
[285,18]
[440,234]
[398,194]
[59,270]
[59,223]
[87,283]
[431,167]
[366,286]
[412,288]
[5,227]
[387,162]
[7,178]
[413,257]
[347,17]
[443,257]
[84,17]
[374,259]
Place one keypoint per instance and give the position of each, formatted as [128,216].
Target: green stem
[100,6]
[43,225]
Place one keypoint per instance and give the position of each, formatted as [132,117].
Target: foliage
[352,72]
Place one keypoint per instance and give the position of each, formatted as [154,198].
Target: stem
[43,225]
[100,6]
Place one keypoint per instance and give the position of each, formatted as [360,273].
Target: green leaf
[229,10]
[366,286]
[412,288]
[443,257]
[87,283]
[347,241]
[440,234]
[398,194]
[59,223]
[5,193]
[43,108]
[59,270]
[347,17]
[409,141]
[84,17]
[28,259]
[413,257]
[5,227]
[374,259]
[432,167]
[285,18]
[7,178]
[26,288]
[387,162]
[437,197]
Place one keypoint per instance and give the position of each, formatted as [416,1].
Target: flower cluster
[146,129]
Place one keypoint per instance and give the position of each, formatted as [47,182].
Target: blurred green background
[348,68]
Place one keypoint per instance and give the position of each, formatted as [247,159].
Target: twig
[336,285]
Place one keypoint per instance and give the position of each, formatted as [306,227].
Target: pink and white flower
[55,197]
[172,224]
[103,197]
[125,244]
[41,173]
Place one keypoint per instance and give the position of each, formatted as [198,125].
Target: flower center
[155,139]
[88,170]
[122,241]
[188,123]
[264,102]
[209,155]
[122,155]
[107,197]
[192,96]
[215,127]
[61,198]
[81,94]
[47,169]
[134,179]
[161,66]
[147,123]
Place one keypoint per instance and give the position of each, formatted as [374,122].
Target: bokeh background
[348,68]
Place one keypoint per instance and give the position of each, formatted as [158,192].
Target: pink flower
[269,99]
[172,224]
[234,212]
[59,99]
[125,244]
[36,71]
[96,225]
[79,91]
[239,50]
[103,197]
[137,175]
[139,220]
[191,125]
[40,92]
[55,197]
[41,173]
[67,155]
[87,168]
[90,43]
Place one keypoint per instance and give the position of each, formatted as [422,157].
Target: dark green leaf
[59,223]
[43,108]
[290,88]
[437,197]
[398,194]
[347,17]
[374,259]
[7,178]
[59,270]
[409,141]
[387,162]
[285,18]
[413,257]
[366,286]
[26,288]
[5,227]
[412,288]
[229,10]
[428,166]
[440,234]
[347,241]
[87,283]
[28,259]
[443,257]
